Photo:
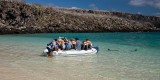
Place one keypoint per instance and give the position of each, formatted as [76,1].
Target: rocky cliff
[18,17]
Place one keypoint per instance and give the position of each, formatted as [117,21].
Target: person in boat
[78,44]
[73,43]
[51,47]
[60,44]
[86,45]
[67,44]
[89,43]
[63,44]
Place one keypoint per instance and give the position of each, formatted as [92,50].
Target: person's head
[84,42]
[87,39]
[65,40]
[62,41]
[55,39]
[76,39]
[59,40]
[71,39]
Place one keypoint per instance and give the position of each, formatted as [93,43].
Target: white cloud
[153,3]
[74,7]
[93,6]
[139,13]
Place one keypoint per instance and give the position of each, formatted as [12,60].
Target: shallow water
[132,56]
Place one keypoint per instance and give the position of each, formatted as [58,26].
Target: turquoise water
[132,56]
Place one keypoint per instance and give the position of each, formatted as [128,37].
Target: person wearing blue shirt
[78,44]
[52,46]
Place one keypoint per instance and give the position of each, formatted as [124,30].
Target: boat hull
[71,52]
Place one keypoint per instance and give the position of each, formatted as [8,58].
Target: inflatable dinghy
[94,50]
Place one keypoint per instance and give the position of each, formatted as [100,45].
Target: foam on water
[122,56]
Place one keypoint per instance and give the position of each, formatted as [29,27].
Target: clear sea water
[132,56]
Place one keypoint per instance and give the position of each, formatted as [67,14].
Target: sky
[144,7]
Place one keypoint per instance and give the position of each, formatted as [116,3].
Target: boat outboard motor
[96,47]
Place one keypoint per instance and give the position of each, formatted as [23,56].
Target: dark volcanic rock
[17,17]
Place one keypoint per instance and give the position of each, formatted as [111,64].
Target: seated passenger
[84,45]
[89,43]
[67,44]
[63,44]
[51,47]
[73,43]
[78,44]
[55,45]
[59,44]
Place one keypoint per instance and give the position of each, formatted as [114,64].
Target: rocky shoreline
[20,18]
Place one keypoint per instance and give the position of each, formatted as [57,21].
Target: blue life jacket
[68,46]
[57,44]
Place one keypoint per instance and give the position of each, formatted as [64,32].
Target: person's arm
[49,43]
